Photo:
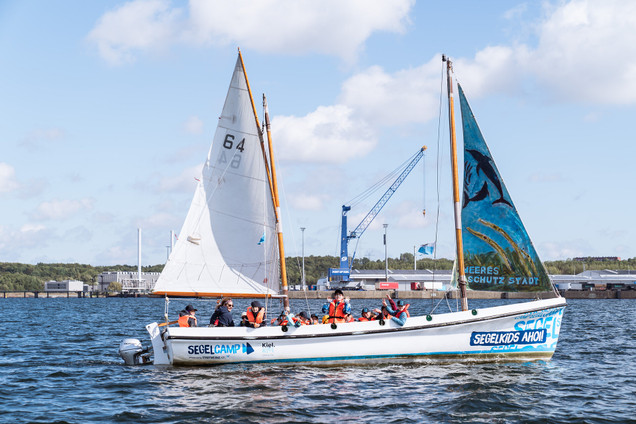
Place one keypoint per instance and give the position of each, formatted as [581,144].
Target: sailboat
[235,207]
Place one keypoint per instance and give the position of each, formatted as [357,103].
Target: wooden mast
[279,225]
[461,276]
[272,183]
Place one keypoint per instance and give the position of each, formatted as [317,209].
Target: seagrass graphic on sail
[498,253]
[228,242]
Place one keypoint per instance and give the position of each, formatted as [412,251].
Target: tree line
[27,277]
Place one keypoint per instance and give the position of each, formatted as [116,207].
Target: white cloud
[79,234]
[565,249]
[410,95]
[61,209]
[38,138]
[185,182]
[7,178]
[117,255]
[550,177]
[409,215]
[331,27]
[494,69]
[516,12]
[306,201]
[587,51]
[136,26]
[28,236]
[158,220]
[329,134]
[193,125]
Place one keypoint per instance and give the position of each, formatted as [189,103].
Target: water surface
[59,364]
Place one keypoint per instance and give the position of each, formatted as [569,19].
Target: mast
[279,225]
[272,182]
[461,276]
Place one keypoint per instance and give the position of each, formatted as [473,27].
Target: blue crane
[343,272]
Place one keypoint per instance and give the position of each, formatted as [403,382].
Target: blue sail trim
[498,253]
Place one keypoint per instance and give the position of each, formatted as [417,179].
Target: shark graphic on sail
[498,253]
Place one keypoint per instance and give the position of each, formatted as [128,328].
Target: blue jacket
[224,317]
[400,319]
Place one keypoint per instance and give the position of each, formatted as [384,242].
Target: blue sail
[498,254]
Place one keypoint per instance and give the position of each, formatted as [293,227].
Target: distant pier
[364,294]
[56,294]
[472,294]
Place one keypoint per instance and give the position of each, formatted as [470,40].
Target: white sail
[220,233]
[228,243]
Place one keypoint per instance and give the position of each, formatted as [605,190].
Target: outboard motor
[133,353]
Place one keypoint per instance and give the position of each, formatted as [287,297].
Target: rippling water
[59,364]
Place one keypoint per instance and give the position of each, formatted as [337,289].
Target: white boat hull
[522,331]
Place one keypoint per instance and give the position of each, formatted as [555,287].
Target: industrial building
[376,279]
[131,282]
[65,286]
[426,279]
[605,279]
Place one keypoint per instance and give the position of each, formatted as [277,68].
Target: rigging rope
[437,187]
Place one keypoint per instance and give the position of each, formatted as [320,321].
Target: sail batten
[219,250]
[498,253]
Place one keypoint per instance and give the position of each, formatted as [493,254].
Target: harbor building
[65,286]
[596,280]
[376,279]
[426,279]
[131,282]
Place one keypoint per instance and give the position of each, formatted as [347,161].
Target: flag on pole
[427,249]
[262,240]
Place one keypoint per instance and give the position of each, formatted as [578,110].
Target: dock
[364,294]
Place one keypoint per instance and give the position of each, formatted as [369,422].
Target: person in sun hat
[187,317]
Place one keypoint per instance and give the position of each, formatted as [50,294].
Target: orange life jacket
[183,320]
[259,316]
[363,319]
[406,309]
[336,312]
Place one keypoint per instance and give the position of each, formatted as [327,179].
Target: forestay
[498,253]
[228,244]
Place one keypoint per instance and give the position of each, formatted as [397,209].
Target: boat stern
[159,347]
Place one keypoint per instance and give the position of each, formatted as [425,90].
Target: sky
[107,111]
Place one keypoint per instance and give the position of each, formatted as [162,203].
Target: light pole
[302,283]
[414,260]
[386,258]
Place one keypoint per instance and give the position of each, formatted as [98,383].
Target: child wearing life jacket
[280,320]
[401,314]
[338,308]
[187,317]
[303,318]
[382,314]
[366,315]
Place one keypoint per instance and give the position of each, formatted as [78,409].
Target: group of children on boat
[336,310]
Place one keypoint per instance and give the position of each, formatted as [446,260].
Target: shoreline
[361,294]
